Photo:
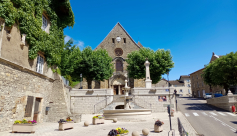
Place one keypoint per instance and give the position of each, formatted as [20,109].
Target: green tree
[70,59]
[222,71]
[160,63]
[95,65]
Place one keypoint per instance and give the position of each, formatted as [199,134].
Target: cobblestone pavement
[51,129]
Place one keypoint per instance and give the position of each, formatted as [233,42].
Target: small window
[44,22]
[40,64]
[113,40]
[197,76]
[124,40]
[181,90]
[189,91]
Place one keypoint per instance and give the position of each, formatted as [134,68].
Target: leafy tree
[222,71]
[95,65]
[70,59]
[160,63]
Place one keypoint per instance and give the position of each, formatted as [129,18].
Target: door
[36,111]
[116,90]
[122,91]
[199,94]
[203,92]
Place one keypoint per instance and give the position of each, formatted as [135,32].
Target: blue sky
[190,29]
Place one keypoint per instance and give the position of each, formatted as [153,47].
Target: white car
[207,95]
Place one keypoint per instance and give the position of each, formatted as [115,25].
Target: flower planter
[158,128]
[23,128]
[97,121]
[66,125]
[125,134]
[172,114]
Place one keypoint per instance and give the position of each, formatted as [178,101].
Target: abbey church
[119,44]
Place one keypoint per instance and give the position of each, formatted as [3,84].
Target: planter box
[66,125]
[23,128]
[98,121]
[158,128]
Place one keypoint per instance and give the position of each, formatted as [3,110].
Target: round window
[118,52]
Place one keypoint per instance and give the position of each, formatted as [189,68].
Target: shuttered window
[29,105]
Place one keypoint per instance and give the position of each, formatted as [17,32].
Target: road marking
[231,128]
[195,114]
[221,113]
[231,114]
[213,113]
[186,114]
[204,113]
[234,130]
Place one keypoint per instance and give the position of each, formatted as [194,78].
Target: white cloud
[66,39]
[78,43]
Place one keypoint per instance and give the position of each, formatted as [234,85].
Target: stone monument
[148,79]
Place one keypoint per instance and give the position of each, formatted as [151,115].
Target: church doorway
[118,89]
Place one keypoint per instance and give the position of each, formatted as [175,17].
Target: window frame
[40,63]
[44,22]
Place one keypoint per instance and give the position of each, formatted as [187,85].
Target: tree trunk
[89,83]
[226,89]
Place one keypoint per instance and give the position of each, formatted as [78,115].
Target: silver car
[207,95]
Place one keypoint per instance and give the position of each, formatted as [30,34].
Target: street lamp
[169,106]
[81,80]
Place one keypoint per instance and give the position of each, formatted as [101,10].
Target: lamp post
[81,80]
[169,106]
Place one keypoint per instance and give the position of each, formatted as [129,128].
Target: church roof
[125,32]
[140,44]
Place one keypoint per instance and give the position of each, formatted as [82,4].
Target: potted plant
[65,124]
[158,126]
[99,119]
[118,132]
[24,126]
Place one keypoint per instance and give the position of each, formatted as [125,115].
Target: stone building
[182,86]
[28,88]
[119,44]
[197,83]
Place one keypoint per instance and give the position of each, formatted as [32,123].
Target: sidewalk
[51,129]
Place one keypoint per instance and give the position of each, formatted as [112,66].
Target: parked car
[207,95]
[218,95]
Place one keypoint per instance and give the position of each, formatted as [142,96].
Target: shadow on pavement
[235,122]
[202,106]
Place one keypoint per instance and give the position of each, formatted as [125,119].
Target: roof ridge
[124,31]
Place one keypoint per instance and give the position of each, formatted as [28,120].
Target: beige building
[198,86]
[28,88]
[182,86]
[119,44]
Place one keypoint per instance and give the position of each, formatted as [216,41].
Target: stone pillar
[148,79]
[119,90]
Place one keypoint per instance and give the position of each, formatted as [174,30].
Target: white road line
[231,128]
[234,130]
[195,114]
[204,113]
[186,114]
[231,114]
[221,113]
[213,113]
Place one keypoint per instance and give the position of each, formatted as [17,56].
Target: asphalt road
[206,119]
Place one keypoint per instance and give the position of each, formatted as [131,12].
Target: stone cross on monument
[148,79]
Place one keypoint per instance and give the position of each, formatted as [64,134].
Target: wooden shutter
[119,65]
[37,102]
[29,105]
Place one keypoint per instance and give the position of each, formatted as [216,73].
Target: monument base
[148,83]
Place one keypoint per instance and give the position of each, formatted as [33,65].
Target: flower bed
[118,132]
[65,124]
[99,119]
[158,126]
[24,126]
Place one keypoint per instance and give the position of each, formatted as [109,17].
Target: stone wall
[139,83]
[224,102]
[83,100]
[17,83]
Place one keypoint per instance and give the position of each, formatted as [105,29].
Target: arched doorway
[119,65]
[118,85]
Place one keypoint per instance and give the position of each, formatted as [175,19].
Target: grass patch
[74,83]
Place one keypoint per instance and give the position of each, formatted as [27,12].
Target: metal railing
[102,104]
[181,129]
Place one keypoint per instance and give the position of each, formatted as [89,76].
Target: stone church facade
[119,44]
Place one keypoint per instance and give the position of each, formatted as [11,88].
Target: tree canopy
[160,63]
[70,58]
[95,65]
[222,71]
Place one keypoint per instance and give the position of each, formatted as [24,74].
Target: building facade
[182,86]
[28,87]
[197,83]
[119,44]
